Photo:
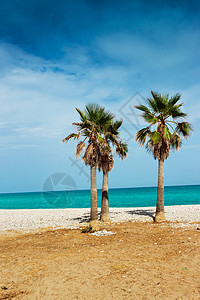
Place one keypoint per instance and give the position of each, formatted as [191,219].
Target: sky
[58,55]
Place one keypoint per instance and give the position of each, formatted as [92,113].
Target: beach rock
[103,233]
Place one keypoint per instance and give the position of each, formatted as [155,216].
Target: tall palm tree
[165,113]
[106,163]
[92,121]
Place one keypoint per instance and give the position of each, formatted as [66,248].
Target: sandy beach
[72,218]
[45,255]
[139,260]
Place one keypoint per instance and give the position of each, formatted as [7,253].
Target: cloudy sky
[55,55]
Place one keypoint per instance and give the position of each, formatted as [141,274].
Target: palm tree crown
[165,113]
[91,126]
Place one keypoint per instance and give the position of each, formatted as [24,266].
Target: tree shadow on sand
[84,218]
[142,212]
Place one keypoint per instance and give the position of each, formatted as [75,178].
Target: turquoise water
[126,197]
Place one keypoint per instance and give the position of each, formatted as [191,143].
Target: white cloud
[42,104]
[40,96]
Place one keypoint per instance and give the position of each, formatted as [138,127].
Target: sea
[118,197]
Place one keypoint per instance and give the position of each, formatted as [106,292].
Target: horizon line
[111,188]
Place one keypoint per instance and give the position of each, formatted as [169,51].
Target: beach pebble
[28,219]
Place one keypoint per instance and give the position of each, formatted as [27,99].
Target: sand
[141,260]
[135,259]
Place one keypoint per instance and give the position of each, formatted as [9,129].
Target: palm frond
[88,153]
[70,136]
[161,101]
[175,142]
[82,115]
[155,137]
[143,108]
[117,124]
[83,125]
[153,105]
[166,133]
[149,118]
[173,100]
[184,128]
[98,116]
[122,150]
[175,112]
[142,135]
[86,132]
[79,148]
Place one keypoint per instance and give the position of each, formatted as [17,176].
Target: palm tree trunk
[94,210]
[105,216]
[160,210]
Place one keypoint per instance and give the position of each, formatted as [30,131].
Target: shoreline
[28,219]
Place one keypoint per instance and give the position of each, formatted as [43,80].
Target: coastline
[29,219]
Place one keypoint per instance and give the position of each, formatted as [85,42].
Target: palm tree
[165,113]
[106,163]
[92,121]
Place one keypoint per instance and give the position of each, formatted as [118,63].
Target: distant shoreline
[110,188]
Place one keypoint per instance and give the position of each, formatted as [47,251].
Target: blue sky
[55,55]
